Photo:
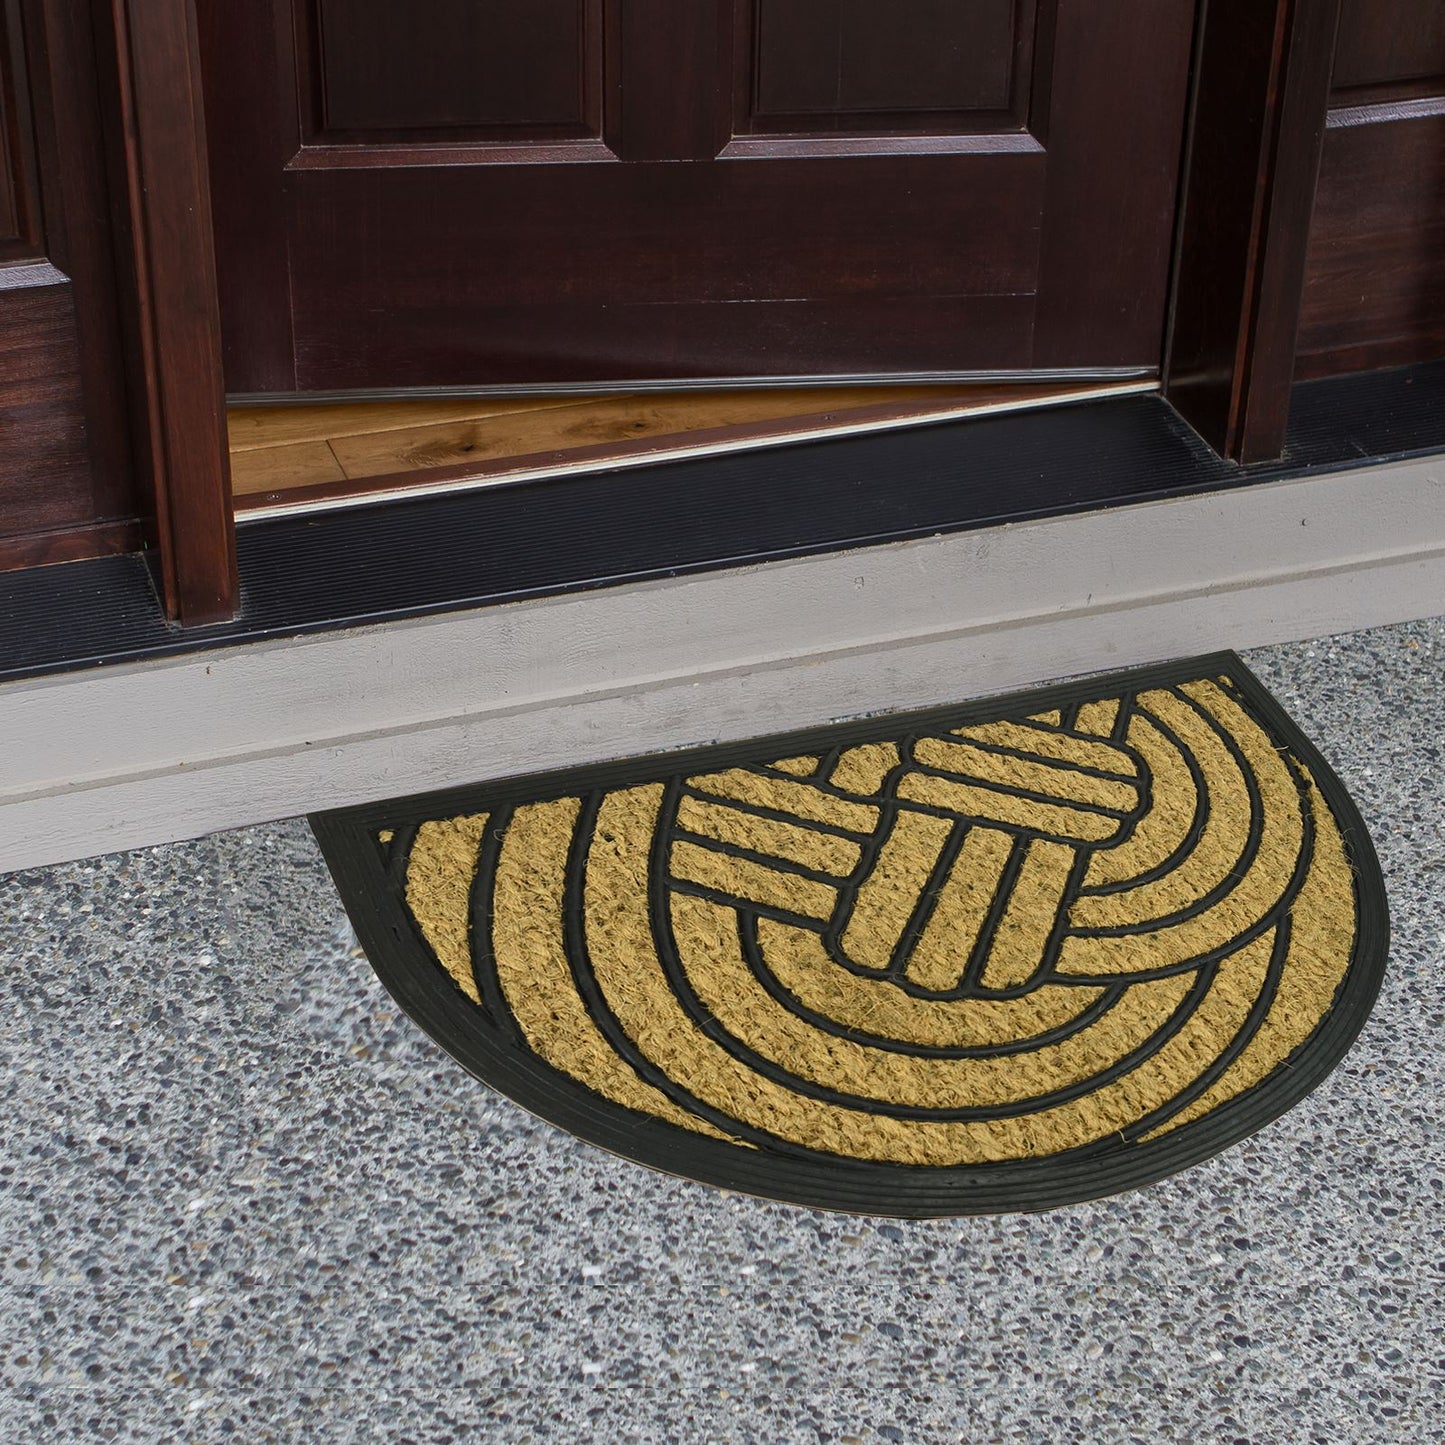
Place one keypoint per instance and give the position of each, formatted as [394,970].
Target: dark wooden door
[1375,284]
[534,192]
[66,480]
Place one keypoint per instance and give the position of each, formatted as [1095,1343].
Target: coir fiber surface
[1006,955]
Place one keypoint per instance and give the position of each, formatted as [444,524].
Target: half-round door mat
[992,957]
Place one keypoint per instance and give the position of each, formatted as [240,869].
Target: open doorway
[313,455]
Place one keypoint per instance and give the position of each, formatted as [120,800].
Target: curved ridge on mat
[792,965]
[1004,955]
[1165,835]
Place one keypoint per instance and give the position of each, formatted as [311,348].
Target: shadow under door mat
[1001,956]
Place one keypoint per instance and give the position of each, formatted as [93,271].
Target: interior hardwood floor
[304,455]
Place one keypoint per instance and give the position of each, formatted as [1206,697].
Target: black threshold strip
[465,549]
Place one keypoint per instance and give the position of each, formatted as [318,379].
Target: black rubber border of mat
[414,557]
[430,997]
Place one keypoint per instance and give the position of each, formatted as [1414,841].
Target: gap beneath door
[324,454]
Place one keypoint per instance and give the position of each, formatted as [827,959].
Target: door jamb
[1251,165]
[169,292]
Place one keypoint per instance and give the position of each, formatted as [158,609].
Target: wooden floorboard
[300,454]
[279,468]
[257,427]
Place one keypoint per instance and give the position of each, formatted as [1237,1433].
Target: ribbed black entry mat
[999,956]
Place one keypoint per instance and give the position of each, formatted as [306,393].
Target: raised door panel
[501,70]
[1375,280]
[19,210]
[1388,44]
[809,66]
[742,188]
[65,478]
[44,465]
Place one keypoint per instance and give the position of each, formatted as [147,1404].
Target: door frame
[169,303]
[1255,134]
[1257,112]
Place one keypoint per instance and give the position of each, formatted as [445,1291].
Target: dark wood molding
[64,441]
[174,318]
[1262,79]
[69,544]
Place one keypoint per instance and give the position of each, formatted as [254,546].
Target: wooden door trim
[1252,158]
[174,317]
[69,544]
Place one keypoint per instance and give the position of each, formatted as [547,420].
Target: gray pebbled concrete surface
[242,1198]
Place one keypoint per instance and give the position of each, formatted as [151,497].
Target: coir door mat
[999,956]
